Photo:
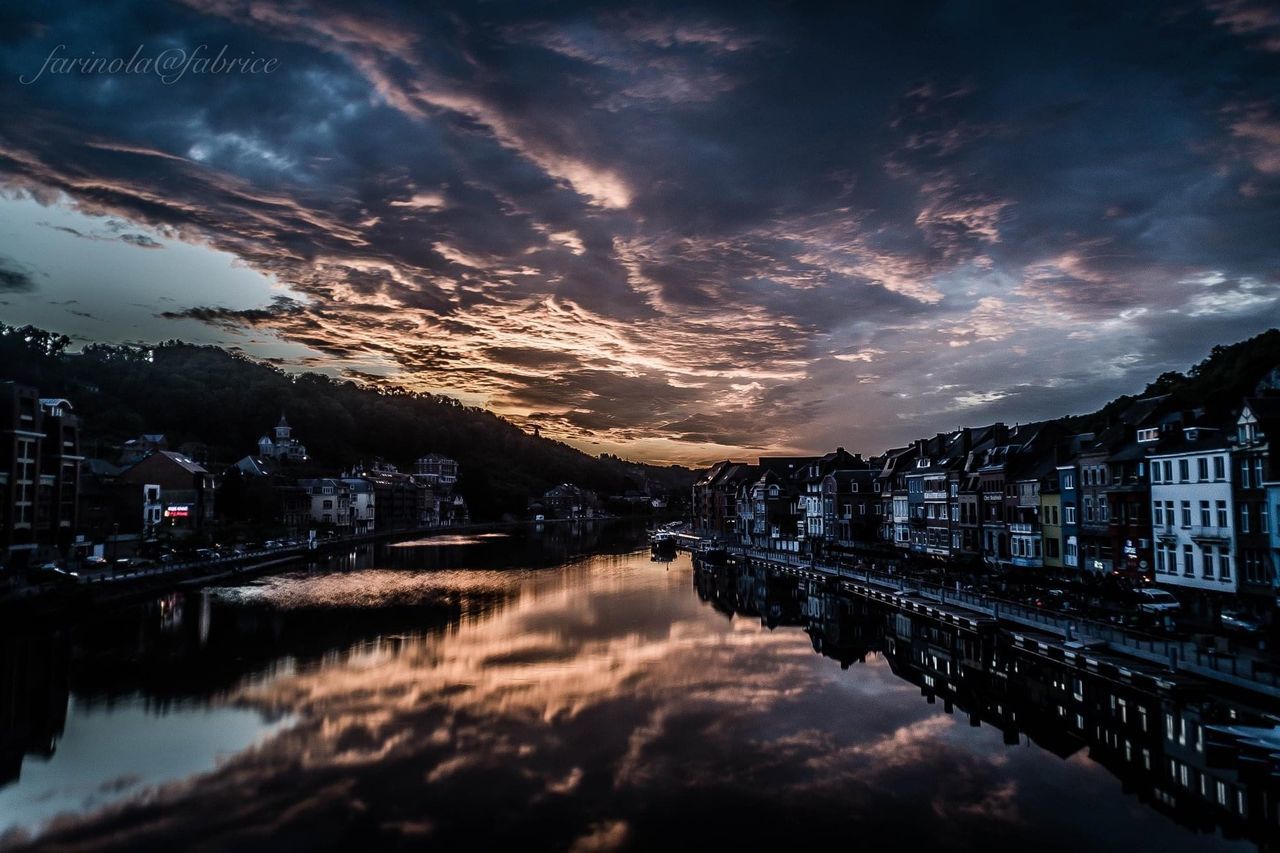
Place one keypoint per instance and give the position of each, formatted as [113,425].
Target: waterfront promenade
[1240,669]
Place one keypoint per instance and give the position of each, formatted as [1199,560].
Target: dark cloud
[626,218]
[142,241]
[14,278]
[234,319]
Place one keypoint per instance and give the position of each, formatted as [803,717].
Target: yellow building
[1051,528]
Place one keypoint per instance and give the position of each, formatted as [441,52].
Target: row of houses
[1183,497]
[57,502]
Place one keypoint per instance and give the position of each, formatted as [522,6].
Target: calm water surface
[509,693]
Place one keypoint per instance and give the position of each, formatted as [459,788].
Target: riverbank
[1237,671]
[71,594]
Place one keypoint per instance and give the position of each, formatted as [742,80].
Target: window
[1155,473]
[1219,468]
[1222,513]
[1206,564]
[1188,564]
[1184,470]
[1224,563]
[1202,468]
[1244,518]
[1186,513]
[1160,561]
[1069,514]
[1257,471]
[1206,518]
[1244,473]
[1068,481]
[1264,523]
[1104,512]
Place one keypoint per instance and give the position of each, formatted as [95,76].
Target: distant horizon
[695,464]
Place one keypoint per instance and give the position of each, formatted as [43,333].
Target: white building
[362,504]
[330,502]
[1191,511]
[901,521]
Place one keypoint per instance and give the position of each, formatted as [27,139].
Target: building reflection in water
[1208,761]
[460,696]
[34,688]
[157,650]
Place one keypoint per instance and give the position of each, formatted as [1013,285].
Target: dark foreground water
[503,693]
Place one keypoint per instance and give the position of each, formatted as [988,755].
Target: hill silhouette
[226,400]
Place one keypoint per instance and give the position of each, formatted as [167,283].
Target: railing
[1170,653]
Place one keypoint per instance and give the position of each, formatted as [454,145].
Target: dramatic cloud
[687,231]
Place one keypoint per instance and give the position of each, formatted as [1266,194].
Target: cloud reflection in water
[601,706]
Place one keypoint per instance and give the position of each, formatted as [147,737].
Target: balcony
[1210,534]
[1023,528]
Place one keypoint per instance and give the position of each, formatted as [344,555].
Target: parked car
[1157,601]
[97,561]
[1240,622]
[58,572]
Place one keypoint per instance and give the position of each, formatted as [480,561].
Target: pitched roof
[178,459]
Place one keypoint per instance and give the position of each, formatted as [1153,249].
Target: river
[552,689]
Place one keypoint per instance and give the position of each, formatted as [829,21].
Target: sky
[678,232]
